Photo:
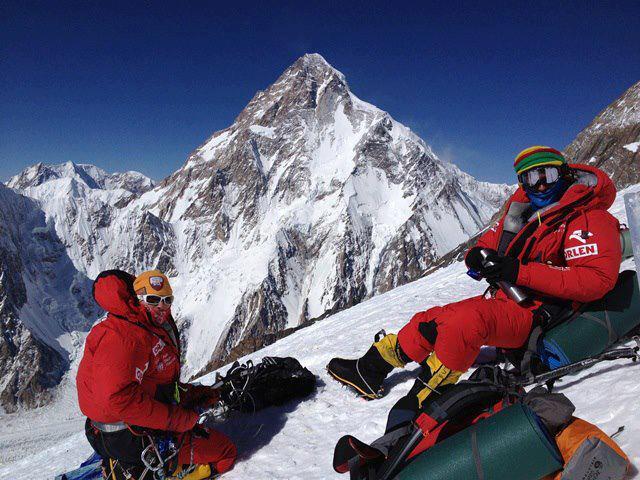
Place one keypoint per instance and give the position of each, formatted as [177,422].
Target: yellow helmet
[152,282]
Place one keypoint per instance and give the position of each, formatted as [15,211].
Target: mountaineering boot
[438,376]
[434,380]
[199,472]
[366,374]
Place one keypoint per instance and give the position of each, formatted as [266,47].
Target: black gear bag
[274,381]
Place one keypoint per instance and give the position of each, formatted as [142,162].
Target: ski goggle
[537,176]
[156,299]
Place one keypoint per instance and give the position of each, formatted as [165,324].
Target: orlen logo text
[581,251]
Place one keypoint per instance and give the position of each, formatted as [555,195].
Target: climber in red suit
[128,381]
[555,238]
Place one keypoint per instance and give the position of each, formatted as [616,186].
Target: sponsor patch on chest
[581,235]
[141,371]
[157,348]
[581,251]
[165,362]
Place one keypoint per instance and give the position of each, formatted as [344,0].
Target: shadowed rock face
[612,141]
[309,203]
[41,297]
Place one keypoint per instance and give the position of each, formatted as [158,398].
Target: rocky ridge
[612,140]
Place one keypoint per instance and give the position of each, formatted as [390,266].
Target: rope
[111,466]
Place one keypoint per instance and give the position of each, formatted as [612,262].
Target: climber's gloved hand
[474,259]
[499,268]
[201,397]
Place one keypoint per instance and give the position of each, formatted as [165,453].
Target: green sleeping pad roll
[508,445]
[599,325]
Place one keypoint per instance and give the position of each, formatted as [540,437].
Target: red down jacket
[571,251]
[126,359]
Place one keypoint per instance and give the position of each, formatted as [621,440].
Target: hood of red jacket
[113,290]
[590,181]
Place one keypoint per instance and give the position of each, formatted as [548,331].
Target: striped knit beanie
[535,156]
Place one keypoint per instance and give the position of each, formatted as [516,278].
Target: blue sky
[138,85]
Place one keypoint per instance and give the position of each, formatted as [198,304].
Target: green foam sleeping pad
[599,325]
[508,445]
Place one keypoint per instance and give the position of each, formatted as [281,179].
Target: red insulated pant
[217,450]
[463,327]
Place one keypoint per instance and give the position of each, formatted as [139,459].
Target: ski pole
[616,354]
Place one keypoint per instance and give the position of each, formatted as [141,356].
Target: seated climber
[556,239]
[128,384]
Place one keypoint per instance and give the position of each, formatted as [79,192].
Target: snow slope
[296,441]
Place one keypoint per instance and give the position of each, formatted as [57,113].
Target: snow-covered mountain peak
[310,202]
[308,84]
[311,66]
[85,174]
[315,60]
[624,111]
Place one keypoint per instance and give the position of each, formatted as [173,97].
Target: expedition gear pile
[587,452]
[488,427]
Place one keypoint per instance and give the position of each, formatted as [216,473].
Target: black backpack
[274,381]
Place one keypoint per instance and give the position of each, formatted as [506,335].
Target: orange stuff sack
[589,453]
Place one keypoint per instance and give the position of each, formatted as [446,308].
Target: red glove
[201,396]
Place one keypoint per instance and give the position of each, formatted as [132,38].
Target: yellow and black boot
[366,374]
[434,380]
[194,472]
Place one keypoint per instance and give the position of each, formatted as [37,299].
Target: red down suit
[570,251]
[128,361]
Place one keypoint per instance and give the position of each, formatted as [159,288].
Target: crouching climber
[555,238]
[128,386]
